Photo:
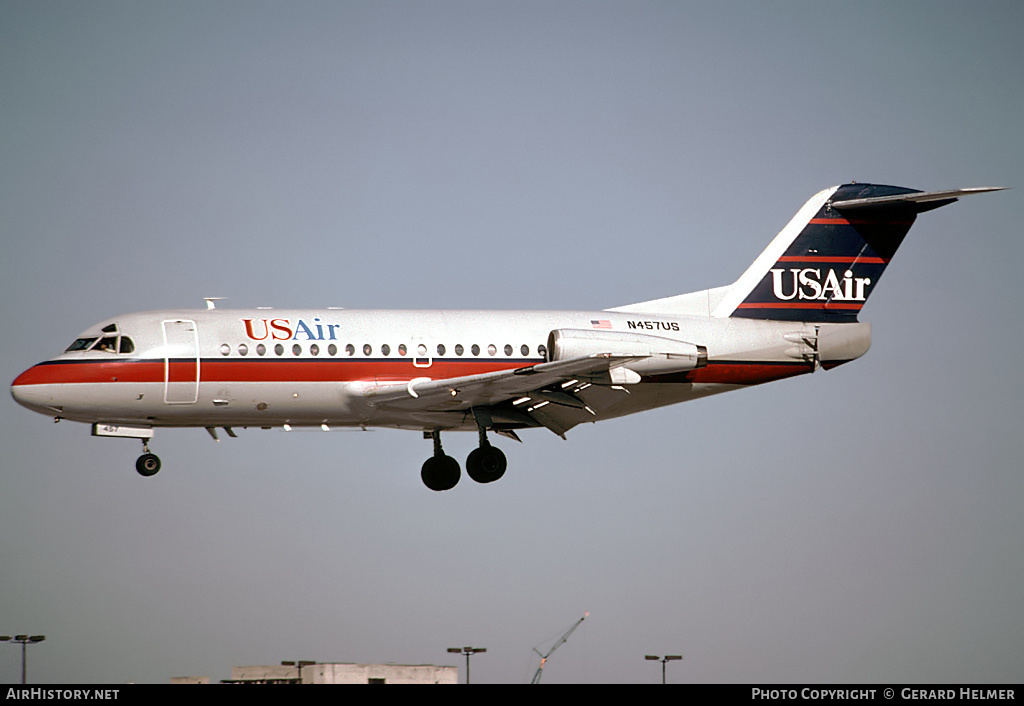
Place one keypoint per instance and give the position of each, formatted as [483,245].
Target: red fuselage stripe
[341,371]
[214,370]
[745,373]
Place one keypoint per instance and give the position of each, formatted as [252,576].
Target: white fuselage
[237,368]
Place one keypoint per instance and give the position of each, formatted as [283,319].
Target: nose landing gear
[148,463]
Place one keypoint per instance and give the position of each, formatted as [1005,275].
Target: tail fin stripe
[857,222]
[834,258]
[810,305]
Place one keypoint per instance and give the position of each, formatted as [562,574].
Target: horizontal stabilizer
[917,197]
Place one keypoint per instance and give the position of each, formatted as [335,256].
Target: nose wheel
[148,463]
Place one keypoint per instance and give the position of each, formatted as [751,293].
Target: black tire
[440,473]
[486,464]
[148,465]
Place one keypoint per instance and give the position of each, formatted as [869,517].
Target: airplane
[793,311]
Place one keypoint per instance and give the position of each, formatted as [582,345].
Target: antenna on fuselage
[211,302]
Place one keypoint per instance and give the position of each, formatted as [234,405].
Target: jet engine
[652,355]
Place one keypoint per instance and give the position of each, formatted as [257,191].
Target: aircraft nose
[27,392]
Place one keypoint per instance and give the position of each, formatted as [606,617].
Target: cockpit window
[82,344]
[108,344]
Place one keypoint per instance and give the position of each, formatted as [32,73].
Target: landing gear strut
[148,463]
[440,472]
[487,463]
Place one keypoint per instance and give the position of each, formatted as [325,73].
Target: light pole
[666,658]
[298,664]
[23,640]
[466,651]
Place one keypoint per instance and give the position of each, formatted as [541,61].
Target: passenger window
[440,349]
[492,349]
[350,349]
[314,349]
[542,351]
[367,349]
[459,349]
[385,349]
[296,349]
[332,349]
[475,349]
[242,349]
[525,350]
[278,349]
[508,349]
[225,349]
[261,349]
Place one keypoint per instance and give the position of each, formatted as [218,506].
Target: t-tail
[824,265]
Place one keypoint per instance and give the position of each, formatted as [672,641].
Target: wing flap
[558,420]
[487,389]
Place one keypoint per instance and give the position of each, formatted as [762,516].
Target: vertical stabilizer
[826,262]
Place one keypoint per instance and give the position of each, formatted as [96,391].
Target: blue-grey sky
[860,525]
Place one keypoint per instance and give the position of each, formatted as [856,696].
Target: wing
[513,398]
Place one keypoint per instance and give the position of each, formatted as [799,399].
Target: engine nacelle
[657,355]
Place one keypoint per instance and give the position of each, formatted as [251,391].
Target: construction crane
[558,643]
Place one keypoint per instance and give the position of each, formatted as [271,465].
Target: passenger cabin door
[181,362]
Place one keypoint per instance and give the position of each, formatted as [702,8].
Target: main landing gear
[440,472]
[148,463]
[485,464]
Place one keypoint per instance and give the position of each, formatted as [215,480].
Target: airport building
[335,673]
[379,674]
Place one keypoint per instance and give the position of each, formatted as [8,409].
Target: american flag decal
[601,323]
